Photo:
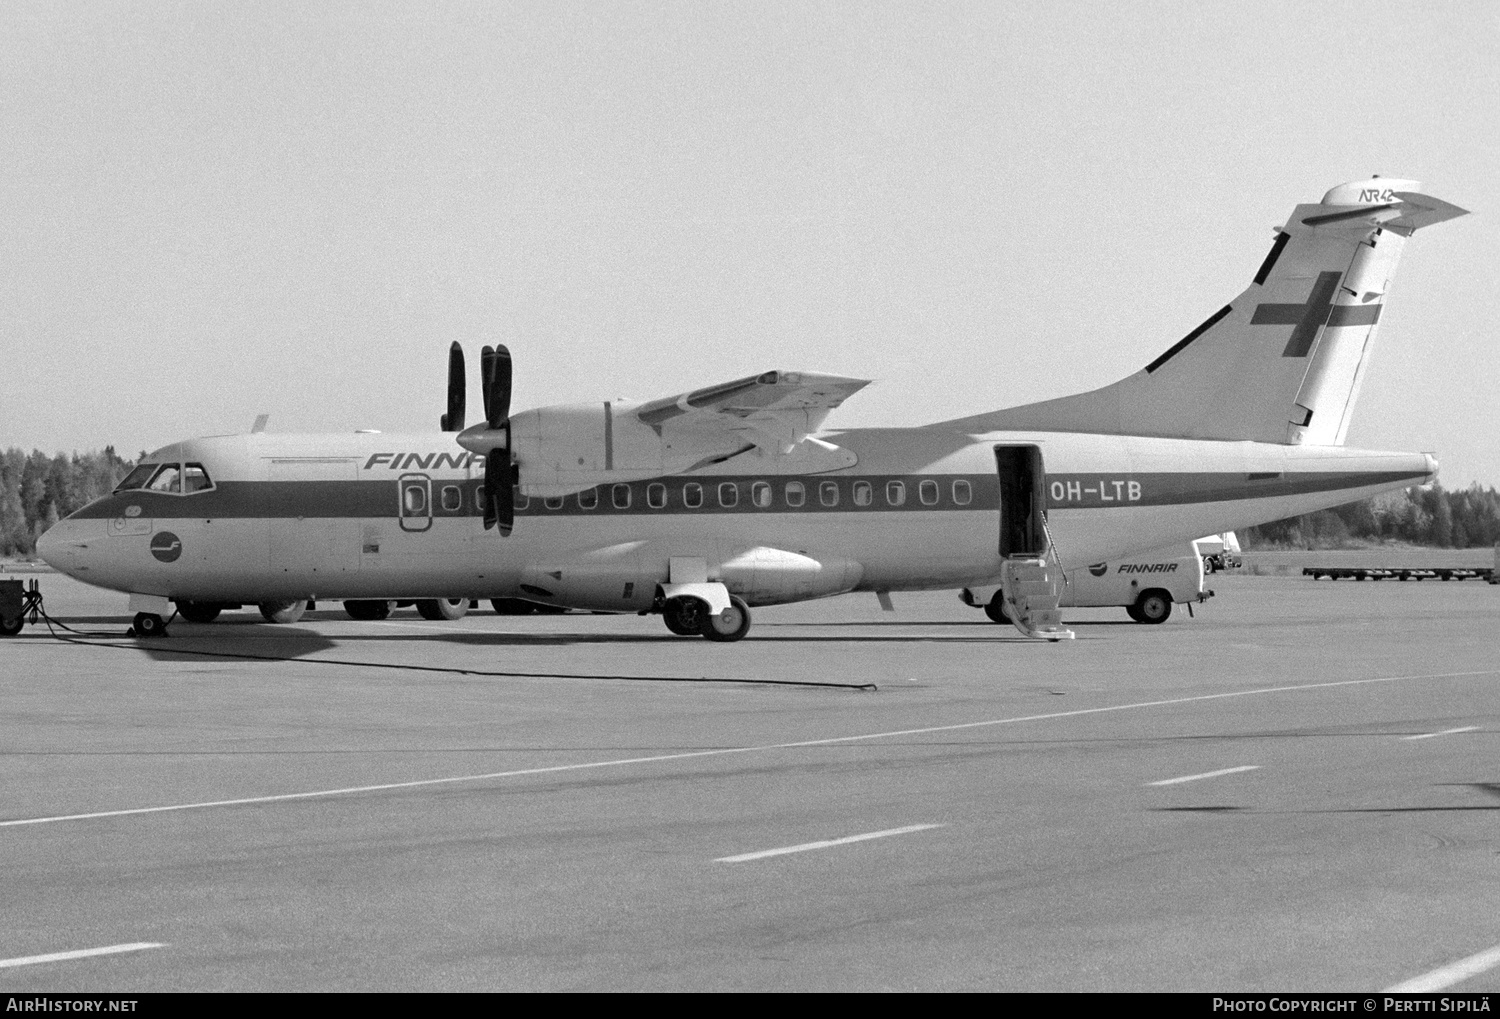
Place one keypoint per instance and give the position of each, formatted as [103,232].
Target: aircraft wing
[774,410]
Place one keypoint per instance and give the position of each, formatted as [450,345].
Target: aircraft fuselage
[399,516]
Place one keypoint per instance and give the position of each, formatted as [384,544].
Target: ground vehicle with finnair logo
[1145,585]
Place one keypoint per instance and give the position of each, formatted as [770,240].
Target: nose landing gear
[148,624]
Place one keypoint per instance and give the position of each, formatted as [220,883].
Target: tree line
[1436,517]
[38,490]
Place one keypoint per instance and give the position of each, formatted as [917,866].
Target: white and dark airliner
[703,505]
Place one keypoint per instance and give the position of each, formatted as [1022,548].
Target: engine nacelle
[619,578]
[767,576]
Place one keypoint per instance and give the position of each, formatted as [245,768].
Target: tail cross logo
[1315,313]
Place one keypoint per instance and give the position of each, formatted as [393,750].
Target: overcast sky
[210,211]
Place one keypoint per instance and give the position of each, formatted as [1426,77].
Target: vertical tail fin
[1284,361]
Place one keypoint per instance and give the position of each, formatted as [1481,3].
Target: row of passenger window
[761,495]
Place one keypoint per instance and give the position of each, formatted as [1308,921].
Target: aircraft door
[311,534]
[1023,486]
[416,502]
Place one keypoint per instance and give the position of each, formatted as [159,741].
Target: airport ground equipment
[18,601]
[1220,552]
[1485,573]
[1145,585]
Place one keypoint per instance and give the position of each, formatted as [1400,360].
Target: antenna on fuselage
[260,423]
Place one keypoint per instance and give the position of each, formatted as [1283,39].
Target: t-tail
[1282,362]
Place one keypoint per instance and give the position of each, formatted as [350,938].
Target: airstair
[1032,580]
[1032,586]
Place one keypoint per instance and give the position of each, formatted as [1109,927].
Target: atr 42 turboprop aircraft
[701,505]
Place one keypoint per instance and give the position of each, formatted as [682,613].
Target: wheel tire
[688,615]
[684,616]
[283,611]
[11,627]
[728,626]
[442,608]
[149,624]
[199,611]
[368,609]
[995,609]
[1153,607]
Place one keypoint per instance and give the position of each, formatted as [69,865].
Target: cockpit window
[137,478]
[167,479]
[195,478]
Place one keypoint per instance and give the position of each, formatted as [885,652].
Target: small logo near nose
[132,511]
[1099,569]
[166,546]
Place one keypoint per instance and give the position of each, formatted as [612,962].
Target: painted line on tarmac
[82,953]
[727,751]
[1445,732]
[1446,976]
[807,847]
[1206,774]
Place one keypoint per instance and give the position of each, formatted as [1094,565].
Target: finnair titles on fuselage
[702,505]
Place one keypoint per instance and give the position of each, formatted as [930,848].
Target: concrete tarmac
[1298,789]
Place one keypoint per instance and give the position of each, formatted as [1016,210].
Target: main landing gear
[690,617]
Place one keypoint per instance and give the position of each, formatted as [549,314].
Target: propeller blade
[499,491]
[486,377]
[453,421]
[497,405]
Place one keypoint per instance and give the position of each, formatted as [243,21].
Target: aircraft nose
[64,546]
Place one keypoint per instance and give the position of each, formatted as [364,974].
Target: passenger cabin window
[692,495]
[553,502]
[453,498]
[729,494]
[796,493]
[167,479]
[414,499]
[195,479]
[828,493]
[895,493]
[927,491]
[588,498]
[137,478]
[518,499]
[620,495]
[863,493]
[760,494]
[656,496]
[962,493]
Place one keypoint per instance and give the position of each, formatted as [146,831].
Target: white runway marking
[825,844]
[726,751]
[82,953]
[1446,976]
[1206,774]
[1445,732]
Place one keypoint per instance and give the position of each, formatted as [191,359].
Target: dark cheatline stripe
[458,499]
[1177,347]
[1093,491]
